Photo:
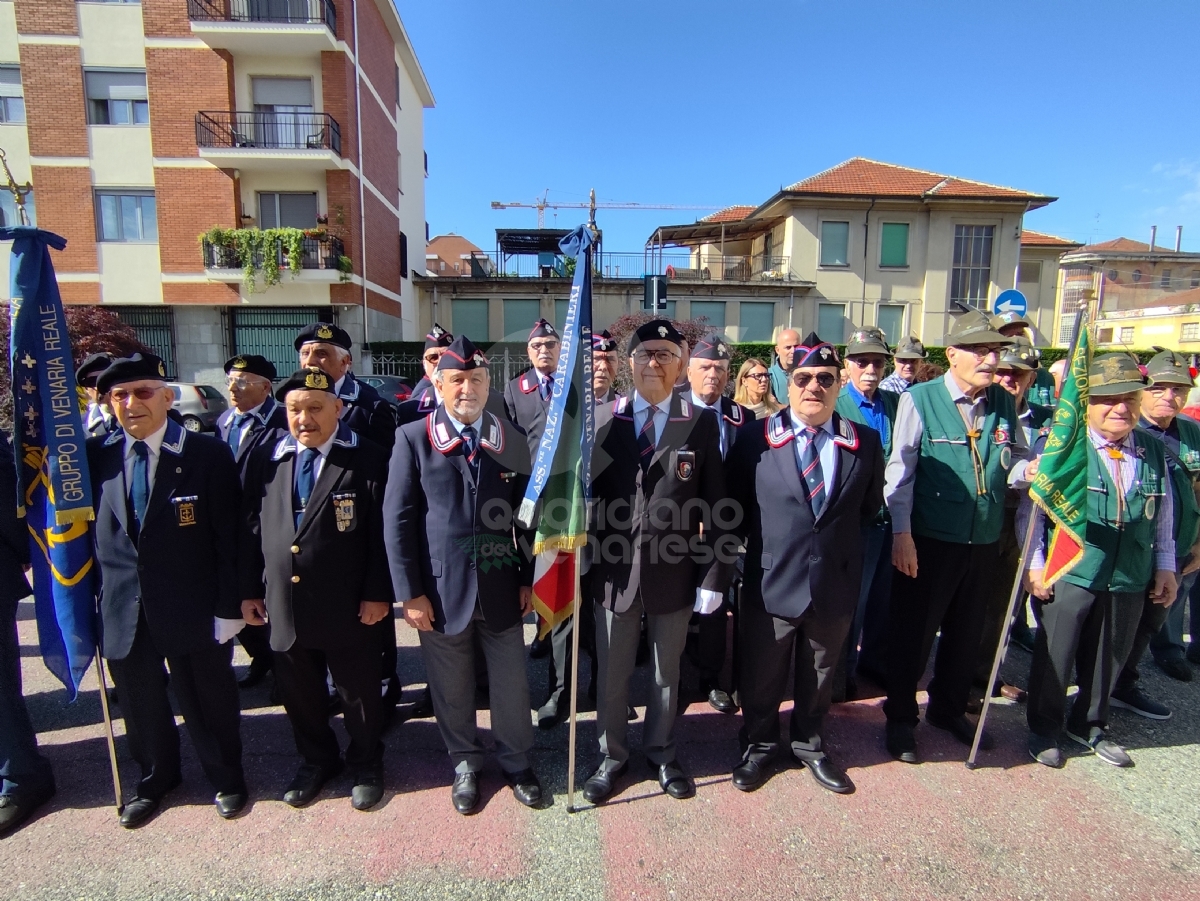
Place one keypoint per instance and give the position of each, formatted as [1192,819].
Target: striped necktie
[645,439]
[814,479]
[470,440]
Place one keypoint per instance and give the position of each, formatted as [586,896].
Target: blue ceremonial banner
[49,446]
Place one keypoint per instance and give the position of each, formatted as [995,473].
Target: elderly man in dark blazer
[165,536]
[808,483]
[462,570]
[657,478]
[527,397]
[253,419]
[313,563]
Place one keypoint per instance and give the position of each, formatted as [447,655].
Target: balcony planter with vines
[266,251]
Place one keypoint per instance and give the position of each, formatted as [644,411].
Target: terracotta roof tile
[869,178]
[730,214]
[1038,239]
[1121,245]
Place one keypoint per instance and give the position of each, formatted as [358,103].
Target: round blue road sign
[1011,301]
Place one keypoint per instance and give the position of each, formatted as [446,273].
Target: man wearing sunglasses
[165,535]
[657,478]
[864,402]
[954,443]
[807,483]
[436,343]
[253,419]
[425,397]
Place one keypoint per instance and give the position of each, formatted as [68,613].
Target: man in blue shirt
[785,344]
[862,401]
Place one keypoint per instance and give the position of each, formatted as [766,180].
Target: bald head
[785,343]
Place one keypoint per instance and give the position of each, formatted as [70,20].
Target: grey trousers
[450,666]
[617,636]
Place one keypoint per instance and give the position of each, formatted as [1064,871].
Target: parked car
[199,405]
[390,387]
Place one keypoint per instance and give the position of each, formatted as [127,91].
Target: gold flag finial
[19,192]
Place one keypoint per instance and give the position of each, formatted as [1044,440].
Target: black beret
[309,379]
[542,329]
[438,337]
[463,355]
[90,369]
[324,333]
[603,342]
[656,330]
[253,364]
[131,369]
[711,347]
[814,352]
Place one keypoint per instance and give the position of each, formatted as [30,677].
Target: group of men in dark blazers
[314,565]
[807,481]
[461,569]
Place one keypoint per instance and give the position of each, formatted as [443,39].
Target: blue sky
[722,103]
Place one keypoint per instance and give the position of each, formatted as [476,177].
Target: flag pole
[1017,590]
[574,687]
[108,732]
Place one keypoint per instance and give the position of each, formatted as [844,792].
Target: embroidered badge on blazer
[685,465]
[343,510]
[185,510]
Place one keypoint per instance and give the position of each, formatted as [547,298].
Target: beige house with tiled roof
[873,243]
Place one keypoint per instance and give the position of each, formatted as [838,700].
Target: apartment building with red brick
[142,126]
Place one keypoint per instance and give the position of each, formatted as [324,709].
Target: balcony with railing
[272,27]
[259,258]
[680,267]
[244,139]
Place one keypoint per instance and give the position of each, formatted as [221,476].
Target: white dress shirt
[661,409]
[826,452]
[154,444]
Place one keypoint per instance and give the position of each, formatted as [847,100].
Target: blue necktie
[139,489]
[645,439]
[470,440]
[235,431]
[814,479]
[547,387]
[305,480]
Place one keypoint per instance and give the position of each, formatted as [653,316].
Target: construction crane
[542,204]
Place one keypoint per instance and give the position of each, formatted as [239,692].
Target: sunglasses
[119,396]
[824,379]
[758,376]
[542,345]
[432,358]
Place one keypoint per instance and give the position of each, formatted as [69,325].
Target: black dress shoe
[751,772]
[423,708]
[259,667]
[900,742]
[465,792]
[829,775]
[19,806]
[718,699]
[525,786]
[230,804]
[550,715]
[673,780]
[540,648]
[630,713]
[392,691]
[308,782]
[368,789]
[138,812]
[962,729]
[600,784]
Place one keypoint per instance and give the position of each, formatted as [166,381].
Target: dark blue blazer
[793,560]
[523,401]
[366,412]
[183,569]
[14,536]
[424,402]
[450,537]
[268,424]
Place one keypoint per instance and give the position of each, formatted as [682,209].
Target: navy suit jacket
[424,402]
[793,559]
[183,569]
[14,536]
[452,537]
[523,401]
[366,412]
[268,424]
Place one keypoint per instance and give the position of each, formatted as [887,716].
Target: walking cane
[108,732]
[574,687]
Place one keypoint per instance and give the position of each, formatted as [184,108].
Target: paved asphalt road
[1011,829]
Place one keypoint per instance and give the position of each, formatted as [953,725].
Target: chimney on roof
[1178,238]
[1153,235]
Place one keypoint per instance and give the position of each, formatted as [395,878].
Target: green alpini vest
[848,407]
[951,500]
[1184,474]
[1120,558]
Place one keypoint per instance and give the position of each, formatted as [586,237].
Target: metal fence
[318,253]
[504,365]
[272,130]
[683,267]
[298,12]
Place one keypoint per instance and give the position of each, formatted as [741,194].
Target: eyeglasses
[661,357]
[119,396]
[537,346]
[824,379]
[240,381]
[432,358]
[758,376]
[984,350]
[1163,389]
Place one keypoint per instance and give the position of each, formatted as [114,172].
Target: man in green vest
[954,443]
[1015,373]
[1014,325]
[862,401]
[1162,627]
[1088,618]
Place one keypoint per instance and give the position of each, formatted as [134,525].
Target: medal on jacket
[685,465]
[343,510]
[1148,510]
